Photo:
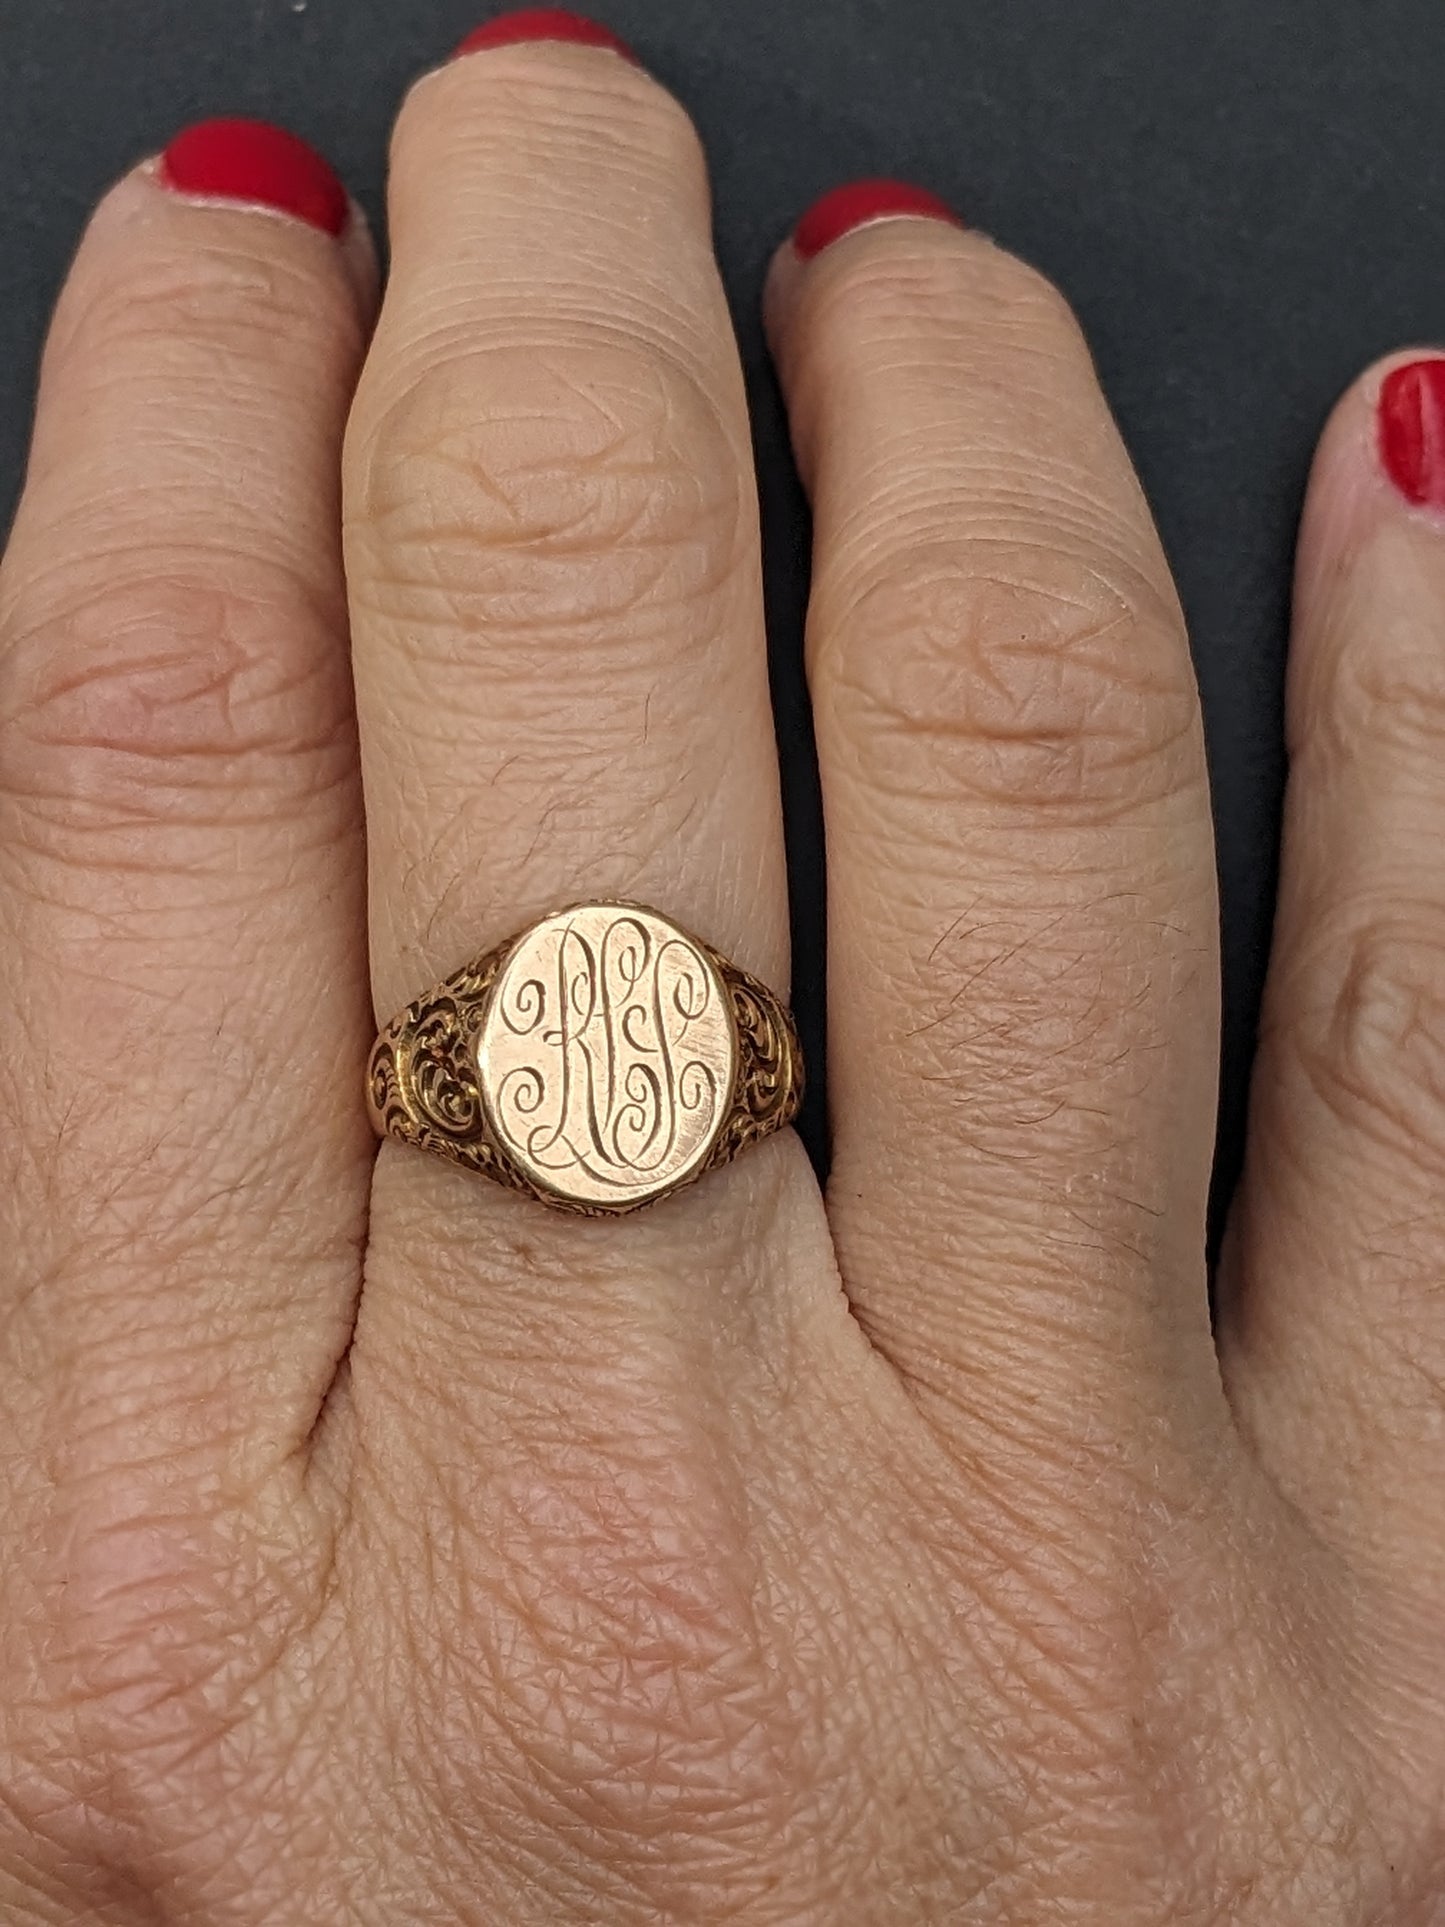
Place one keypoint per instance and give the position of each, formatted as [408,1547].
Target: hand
[380,1547]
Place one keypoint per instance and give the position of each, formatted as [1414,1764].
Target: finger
[552,531]
[553,563]
[181,979]
[1021,922]
[1332,1316]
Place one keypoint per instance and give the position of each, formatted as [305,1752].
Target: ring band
[597,1061]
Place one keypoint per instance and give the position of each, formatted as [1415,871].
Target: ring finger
[560,669]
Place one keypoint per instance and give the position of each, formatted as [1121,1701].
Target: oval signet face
[607,1054]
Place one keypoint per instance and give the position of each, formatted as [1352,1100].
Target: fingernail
[860,202]
[251,162]
[545,23]
[1412,431]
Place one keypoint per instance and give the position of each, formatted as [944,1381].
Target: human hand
[381,1547]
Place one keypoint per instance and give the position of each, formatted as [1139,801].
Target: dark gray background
[1243,199]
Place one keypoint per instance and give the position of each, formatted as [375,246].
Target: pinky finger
[1333,1316]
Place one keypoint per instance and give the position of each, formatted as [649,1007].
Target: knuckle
[236,302]
[893,290]
[637,1693]
[1013,673]
[1387,690]
[159,1645]
[1376,1056]
[168,682]
[555,492]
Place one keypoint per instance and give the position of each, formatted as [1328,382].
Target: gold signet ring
[597,1061]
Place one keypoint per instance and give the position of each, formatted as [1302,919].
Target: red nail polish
[251,161]
[846,208]
[544,23]
[1412,431]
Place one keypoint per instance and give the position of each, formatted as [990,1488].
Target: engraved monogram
[596,1062]
[607,1053]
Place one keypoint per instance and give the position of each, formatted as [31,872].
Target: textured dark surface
[1245,200]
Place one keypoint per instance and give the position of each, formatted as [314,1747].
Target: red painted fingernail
[253,162]
[1412,431]
[545,23]
[845,208]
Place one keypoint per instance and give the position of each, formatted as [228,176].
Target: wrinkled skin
[379,1547]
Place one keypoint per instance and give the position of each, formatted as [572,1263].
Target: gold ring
[599,1060]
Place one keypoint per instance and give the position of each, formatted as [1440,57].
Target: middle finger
[1021,891]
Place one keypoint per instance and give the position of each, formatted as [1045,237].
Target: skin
[376,1547]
